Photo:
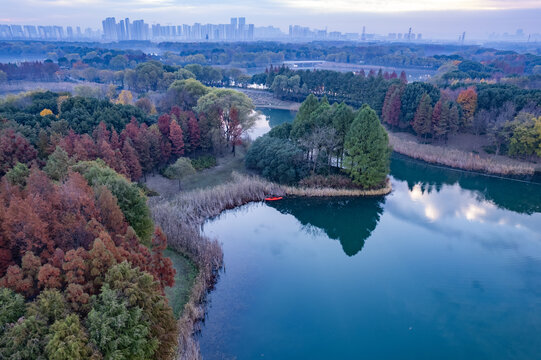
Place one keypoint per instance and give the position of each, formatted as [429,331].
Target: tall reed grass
[459,159]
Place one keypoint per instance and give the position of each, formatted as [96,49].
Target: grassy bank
[187,272]
[459,159]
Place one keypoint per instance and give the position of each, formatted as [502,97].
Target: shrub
[204,162]
[330,181]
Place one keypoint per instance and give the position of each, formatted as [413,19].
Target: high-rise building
[69,31]
[128,29]
[250,32]
[140,30]
[110,29]
[31,32]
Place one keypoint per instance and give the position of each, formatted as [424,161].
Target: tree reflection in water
[349,220]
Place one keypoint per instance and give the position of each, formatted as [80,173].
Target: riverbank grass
[179,294]
[458,159]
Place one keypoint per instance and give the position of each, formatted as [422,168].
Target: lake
[448,266]
[269,118]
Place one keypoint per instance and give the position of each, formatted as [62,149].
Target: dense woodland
[324,142]
[507,114]
[486,92]
[82,273]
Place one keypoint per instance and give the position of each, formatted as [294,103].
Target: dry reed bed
[181,218]
[330,192]
[459,159]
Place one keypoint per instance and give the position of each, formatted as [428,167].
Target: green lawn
[179,294]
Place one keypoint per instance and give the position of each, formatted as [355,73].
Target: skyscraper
[128,30]
[109,29]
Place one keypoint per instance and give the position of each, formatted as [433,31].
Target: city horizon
[157,32]
[435,19]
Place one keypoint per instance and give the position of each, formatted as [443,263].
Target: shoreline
[265,99]
[182,216]
[459,159]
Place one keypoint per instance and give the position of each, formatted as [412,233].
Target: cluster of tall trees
[355,89]
[324,139]
[58,129]
[504,114]
[82,271]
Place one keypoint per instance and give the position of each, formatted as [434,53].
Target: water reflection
[512,195]
[351,221]
[277,117]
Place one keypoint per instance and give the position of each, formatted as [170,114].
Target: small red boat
[274,198]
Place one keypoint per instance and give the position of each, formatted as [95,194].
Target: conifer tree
[468,101]
[440,119]
[367,150]
[68,340]
[132,162]
[177,141]
[422,122]
[57,164]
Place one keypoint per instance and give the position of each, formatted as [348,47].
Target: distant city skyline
[235,30]
[439,19]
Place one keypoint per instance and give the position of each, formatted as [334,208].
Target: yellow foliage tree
[45,112]
[125,98]
[468,101]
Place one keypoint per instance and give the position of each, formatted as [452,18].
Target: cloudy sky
[434,18]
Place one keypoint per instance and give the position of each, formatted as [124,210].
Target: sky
[433,18]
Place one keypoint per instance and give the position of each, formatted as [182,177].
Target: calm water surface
[448,266]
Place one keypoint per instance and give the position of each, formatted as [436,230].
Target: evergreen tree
[68,340]
[422,122]
[367,150]
[11,307]
[142,291]
[57,164]
[118,330]
[342,119]
[302,124]
[18,175]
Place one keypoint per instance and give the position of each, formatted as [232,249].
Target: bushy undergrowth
[330,181]
[204,162]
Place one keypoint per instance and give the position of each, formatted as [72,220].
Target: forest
[480,91]
[82,270]
[507,114]
[326,146]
